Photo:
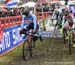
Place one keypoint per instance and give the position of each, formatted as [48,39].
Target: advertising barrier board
[10,39]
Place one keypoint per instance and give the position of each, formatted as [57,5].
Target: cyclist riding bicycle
[68,23]
[30,29]
[30,23]
[68,20]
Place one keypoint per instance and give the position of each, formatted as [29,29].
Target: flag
[11,3]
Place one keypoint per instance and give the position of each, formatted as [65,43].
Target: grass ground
[51,51]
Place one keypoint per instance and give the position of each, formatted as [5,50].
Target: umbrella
[29,4]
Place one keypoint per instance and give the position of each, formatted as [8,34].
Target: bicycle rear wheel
[70,43]
[26,50]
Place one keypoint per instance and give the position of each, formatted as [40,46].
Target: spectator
[38,9]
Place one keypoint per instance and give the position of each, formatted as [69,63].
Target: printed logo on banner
[50,34]
[10,39]
[1,35]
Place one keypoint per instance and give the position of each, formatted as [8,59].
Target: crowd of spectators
[12,12]
[46,7]
[39,8]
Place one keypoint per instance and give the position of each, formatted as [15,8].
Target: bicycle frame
[27,52]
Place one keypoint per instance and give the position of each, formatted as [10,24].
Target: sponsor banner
[11,38]
[50,34]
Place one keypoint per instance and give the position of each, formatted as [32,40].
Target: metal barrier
[10,21]
[41,15]
[9,33]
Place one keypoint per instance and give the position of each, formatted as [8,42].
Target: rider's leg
[31,27]
[73,38]
[30,41]
[30,44]
[23,31]
[55,29]
[73,35]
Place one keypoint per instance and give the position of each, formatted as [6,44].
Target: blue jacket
[29,19]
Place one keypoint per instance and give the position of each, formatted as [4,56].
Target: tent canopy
[29,4]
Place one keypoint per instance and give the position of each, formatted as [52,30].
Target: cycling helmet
[26,11]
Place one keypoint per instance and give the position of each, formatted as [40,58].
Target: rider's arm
[22,25]
[34,22]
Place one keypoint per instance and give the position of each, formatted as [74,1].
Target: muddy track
[49,52]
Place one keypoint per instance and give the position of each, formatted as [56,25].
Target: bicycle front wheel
[26,51]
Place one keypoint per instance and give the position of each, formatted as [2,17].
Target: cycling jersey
[69,22]
[29,19]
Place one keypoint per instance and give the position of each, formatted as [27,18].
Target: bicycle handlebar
[31,33]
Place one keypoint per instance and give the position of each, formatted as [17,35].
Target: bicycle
[69,39]
[27,48]
[67,33]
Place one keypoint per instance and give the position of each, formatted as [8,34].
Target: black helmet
[26,12]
